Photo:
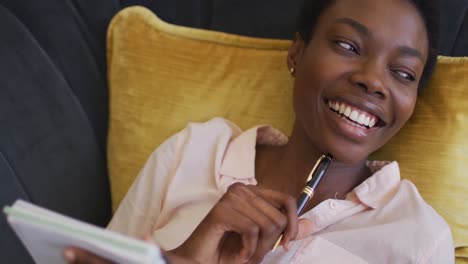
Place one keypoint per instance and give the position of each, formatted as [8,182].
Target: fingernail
[286,247]
[69,255]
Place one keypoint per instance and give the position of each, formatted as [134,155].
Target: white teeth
[366,122]
[342,108]
[354,115]
[347,111]
[361,119]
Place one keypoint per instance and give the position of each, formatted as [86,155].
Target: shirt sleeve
[443,250]
[141,206]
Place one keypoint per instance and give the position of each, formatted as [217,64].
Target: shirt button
[333,204]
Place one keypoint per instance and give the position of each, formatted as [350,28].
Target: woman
[213,193]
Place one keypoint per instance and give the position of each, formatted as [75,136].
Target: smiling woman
[214,193]
[359,55]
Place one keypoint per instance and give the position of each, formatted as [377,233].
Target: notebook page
[46,234]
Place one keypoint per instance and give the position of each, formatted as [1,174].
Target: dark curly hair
[428,9]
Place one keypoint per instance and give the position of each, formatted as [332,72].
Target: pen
[313,180]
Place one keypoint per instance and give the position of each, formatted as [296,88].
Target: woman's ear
[295,53]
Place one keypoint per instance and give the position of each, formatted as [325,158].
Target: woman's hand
[242,227]
[79,256]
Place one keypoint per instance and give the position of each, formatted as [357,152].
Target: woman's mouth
[354,115]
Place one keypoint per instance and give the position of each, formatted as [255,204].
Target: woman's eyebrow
[403,50]
[354,24]
[411,52]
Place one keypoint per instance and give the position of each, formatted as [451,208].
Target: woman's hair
[428,9]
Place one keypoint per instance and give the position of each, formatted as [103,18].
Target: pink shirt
[383,220]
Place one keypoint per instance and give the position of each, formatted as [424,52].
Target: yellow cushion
[162,76]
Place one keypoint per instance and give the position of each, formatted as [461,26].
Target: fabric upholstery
[461,45]
[452,33]
[72,34]
[277,18]
[10,246]
[162,76]
[49,152]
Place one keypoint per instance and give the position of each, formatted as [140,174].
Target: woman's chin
[349,156]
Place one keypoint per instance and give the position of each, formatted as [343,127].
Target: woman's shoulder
[211,129]
[416,203]
[404,216]
[398,198]
[201,134]
[404,194]
[424,224]
[199,144]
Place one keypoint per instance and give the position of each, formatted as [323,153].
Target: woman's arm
[79,256]
[442,251]
[141,206]
[241,228]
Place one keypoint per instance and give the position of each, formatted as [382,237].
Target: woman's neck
[286,168]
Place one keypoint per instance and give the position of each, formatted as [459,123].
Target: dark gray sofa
[54,99]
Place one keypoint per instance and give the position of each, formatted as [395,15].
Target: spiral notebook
[45,234]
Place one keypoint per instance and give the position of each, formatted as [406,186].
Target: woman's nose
[369,77]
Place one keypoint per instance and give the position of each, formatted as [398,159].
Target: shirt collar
[378,189]
[239,159]
[239,163]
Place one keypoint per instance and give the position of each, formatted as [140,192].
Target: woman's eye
[347,46]
[406,75]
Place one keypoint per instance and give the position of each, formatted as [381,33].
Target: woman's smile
[351,122]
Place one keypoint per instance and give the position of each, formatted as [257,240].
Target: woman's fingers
[266,217]
[233,220]
[265,209]
[288,205]
[305,228]
[257,217]
[79,256]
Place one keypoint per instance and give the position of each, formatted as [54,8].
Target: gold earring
[292,70]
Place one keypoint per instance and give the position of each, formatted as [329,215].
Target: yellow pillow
[162,76]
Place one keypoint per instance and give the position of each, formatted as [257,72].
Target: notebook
[46,234]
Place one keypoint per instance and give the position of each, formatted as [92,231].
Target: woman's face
[356,81]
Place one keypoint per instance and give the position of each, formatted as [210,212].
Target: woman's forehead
[393,21]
